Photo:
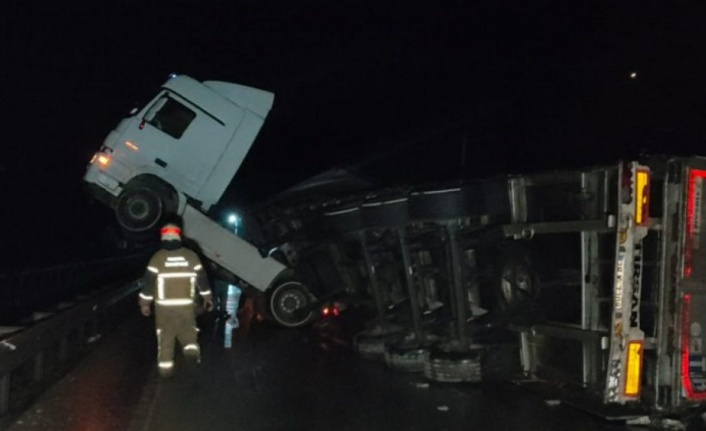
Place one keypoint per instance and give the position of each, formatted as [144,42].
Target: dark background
[396,89]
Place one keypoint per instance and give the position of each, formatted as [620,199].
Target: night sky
[396,91]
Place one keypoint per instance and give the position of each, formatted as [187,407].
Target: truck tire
[516,281]
[290,304]
[144,204]
[139,209]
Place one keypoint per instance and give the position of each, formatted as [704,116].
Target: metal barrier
[32,356]
[26,290]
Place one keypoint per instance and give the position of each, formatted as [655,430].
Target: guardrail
[25,290]
[33,356]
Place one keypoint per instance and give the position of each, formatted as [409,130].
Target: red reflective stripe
[691,210]
[685,359]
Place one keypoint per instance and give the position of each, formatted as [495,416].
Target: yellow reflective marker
[634,369]
[642,192]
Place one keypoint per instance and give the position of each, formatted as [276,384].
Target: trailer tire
[516,280]
[290,304]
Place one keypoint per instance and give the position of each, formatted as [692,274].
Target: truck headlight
[102,159]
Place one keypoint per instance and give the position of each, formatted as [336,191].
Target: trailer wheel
[290,304]
[516,280]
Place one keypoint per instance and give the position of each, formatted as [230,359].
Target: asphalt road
[276,379]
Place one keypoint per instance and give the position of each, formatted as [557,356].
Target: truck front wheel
[290,304]
[139,209]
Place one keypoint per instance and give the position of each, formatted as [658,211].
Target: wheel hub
[516,284]
[291,301]
[138,208]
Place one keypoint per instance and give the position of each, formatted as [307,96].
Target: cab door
[180,142]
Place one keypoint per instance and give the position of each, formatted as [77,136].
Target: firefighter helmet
[171,232]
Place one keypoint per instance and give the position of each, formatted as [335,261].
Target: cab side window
[170,116]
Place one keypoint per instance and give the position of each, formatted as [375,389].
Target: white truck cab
[176,156]
[183,147]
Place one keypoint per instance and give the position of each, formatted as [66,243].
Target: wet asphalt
[278,379]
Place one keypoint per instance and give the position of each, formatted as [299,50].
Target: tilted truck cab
[184,146]
[175,157]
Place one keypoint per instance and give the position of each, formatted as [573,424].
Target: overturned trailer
[595,278]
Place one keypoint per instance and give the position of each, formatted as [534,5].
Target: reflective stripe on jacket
[172,277]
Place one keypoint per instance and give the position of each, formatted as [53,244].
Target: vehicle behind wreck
[598,274]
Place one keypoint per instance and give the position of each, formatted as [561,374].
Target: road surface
[277,379]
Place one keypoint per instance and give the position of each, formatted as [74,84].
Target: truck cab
[175,157]
[183,147]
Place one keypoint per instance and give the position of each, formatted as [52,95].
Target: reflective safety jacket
[172,277]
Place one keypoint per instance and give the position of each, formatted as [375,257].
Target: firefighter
[171,279]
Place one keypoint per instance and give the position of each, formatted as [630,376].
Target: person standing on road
[171,279]
[220,291]
[226,295]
